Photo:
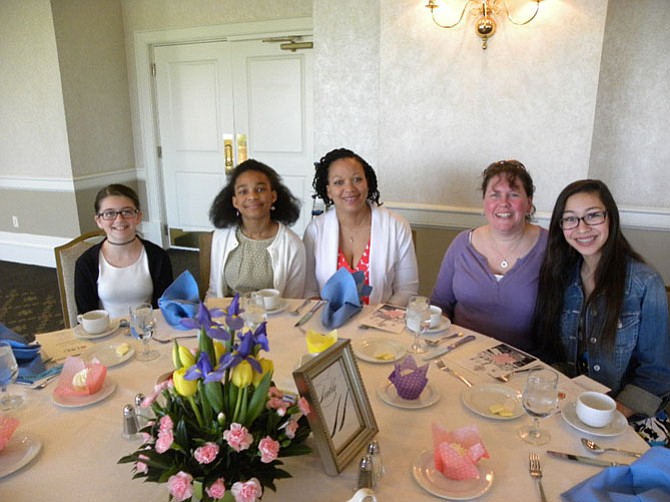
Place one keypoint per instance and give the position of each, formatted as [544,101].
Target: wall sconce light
[485,26]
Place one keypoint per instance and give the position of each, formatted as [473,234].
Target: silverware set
[435,343]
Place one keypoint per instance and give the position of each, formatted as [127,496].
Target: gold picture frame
[342,420]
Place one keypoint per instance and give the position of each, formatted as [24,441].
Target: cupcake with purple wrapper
[408,379]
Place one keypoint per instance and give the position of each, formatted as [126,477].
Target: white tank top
[119,288]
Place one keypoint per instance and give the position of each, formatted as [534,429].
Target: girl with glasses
[601,310]
[123,269]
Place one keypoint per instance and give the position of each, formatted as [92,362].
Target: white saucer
[20,450]
[481,397]
[107,355]
[283,305]
[77,401]
[443,326]
[379,350]
[433,481]
[389,395]
[616,427]
[80,332]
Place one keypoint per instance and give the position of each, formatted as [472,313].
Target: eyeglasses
[111,214]
[591,219]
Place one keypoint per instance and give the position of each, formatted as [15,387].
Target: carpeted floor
[29,297]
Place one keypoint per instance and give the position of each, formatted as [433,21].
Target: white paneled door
[220,101]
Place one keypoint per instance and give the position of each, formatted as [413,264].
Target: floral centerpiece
[220,425]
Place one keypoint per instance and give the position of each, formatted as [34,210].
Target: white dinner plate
[389,395]
[77,401]
[80,332]
[433,481]
[616,427]
[283,305]
[481,397]
[107,355]
[379,350]
[20,450]
[443,326]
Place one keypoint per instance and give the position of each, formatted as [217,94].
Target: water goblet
[254,311]
[417,319]
[9,370]
[142,325]
[539,399]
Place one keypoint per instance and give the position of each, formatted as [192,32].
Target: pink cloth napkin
[457,452]
[95,377]
[7,427]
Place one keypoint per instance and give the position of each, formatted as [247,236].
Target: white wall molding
[68,185]
[29,248]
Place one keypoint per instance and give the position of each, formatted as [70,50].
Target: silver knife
[584,460]
[448,348]
[309,314]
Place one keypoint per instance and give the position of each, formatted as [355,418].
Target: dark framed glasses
[591,219]
[111,214]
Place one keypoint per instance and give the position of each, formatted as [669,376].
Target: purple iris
[203,320]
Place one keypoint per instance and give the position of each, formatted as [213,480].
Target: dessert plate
[107,355]
[443,326]
[80,332]
[379,350]
[20,450]
[387,392]
[78,401]
[283,305]
[433,481]
[616,427]
[480,398]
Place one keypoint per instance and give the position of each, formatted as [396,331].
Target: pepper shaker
[140,417]
[366,478]
[377,462]
[129,422]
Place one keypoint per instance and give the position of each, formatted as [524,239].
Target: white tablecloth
[82,445]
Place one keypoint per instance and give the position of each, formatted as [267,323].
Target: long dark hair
[559,265]
[510,170]
[320,181]
[223,214]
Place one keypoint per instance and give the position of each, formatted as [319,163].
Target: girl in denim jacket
[602,311]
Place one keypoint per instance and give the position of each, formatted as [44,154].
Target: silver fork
[505,378]
[297,310]
[443,367]
[536,473]
[170,340]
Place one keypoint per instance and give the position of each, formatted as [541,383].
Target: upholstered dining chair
[205,256]
[66,257]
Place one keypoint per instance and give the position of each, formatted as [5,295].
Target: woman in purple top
[489,276]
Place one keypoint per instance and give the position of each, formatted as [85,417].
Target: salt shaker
[377,462]
[366,478]
[129,422]
[140,417]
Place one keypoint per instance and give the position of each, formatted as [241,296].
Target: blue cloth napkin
[343,293]
[180,300]
[645,480]
[27,355]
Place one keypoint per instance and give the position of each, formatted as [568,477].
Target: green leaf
[214,392]
[257,403]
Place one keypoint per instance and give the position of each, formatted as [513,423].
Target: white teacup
[435,316]
[94,322]
[271,298]
[595,408]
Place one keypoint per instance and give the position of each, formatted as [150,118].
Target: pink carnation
[140,466]
[165,423]
[248,491]
[278,404]
[206,453]
[304,406]
[165,440]
[158,388]
[217,489]
[269,449]
[238,437]
[291,427]
[180,486]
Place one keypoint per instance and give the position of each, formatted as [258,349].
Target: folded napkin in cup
[343,292]
[80,378]
[180,300]
[7,427]
[408,379]
[645,480]
[457,452]
[27,355]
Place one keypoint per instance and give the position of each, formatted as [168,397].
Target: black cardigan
[87,269]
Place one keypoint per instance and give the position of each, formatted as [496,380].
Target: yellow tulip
[186,358]
[267,367]
[184,387]
[219,350]
[242,375]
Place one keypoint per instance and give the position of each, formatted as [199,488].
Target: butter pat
[79,379]
[122,349]
[499,409]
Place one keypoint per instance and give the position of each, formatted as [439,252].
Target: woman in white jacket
[253,248]
[358,233]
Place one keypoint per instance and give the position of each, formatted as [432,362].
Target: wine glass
[254,311]
[417,319]
[143,324]
[539,399]
[9,370]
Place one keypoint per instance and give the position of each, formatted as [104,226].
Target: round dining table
[80,446]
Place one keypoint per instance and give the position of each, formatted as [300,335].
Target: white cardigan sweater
[394,275]
[287,255]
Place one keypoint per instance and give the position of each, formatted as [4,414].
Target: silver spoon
[506,377]
[591,446]
[435,343]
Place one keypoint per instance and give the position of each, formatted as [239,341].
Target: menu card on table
[58,345]
[386,317]
[497,360]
